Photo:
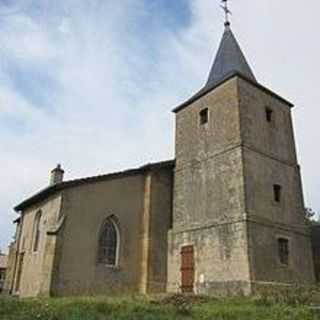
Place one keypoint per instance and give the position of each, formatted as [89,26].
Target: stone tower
[238,213]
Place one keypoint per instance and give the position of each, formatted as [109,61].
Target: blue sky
[91,84]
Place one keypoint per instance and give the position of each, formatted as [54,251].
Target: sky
[91,84]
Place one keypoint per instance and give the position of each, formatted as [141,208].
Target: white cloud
[111,84]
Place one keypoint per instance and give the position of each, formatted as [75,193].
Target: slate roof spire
[229,60]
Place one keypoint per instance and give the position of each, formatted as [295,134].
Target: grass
[139,308]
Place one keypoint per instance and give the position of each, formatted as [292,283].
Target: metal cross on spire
[227,12]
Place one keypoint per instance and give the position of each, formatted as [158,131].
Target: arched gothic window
[36,231]
[109,243]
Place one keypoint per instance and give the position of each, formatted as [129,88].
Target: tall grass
[139,308]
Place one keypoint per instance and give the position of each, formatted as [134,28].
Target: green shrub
[290,295]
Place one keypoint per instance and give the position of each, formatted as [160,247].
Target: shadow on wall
[3,267]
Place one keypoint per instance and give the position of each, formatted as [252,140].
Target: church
[225,216]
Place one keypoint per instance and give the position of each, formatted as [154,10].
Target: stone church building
[226,216]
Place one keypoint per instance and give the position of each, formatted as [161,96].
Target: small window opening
[283,246]
[277,193]
[204,116]
[36,231]
[269,114]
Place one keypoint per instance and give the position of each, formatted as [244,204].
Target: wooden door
[187,269]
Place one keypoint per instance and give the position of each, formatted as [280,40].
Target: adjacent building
[3,268]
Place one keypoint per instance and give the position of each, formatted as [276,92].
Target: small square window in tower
[283,247]
[277,193]
[204,116]
[269,114]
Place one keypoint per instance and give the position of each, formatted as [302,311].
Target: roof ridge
[206,90]
[73,183]
[140,168]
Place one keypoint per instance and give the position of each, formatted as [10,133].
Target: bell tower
[238,213]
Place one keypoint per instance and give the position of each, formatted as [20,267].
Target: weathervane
[225,8]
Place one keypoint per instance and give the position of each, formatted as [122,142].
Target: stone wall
[225,176]
[274,139]
[261,174]
[264,255]
[316,250]
[208,161]
[221,259]
[269,158]
[160,223]
[35,274]
[196,142]
[209,200]
[86,208]
[8,284]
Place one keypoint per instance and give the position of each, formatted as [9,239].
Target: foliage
[293,295]
[140,308]
[311,217]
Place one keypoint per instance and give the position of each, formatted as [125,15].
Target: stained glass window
[108,244]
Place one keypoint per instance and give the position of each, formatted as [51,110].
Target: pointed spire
[229,60]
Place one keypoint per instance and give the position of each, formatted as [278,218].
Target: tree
[311,217]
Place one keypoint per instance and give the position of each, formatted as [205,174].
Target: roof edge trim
[201,93]
[51,190]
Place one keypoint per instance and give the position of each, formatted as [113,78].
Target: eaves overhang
[232,75]
[51,190]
